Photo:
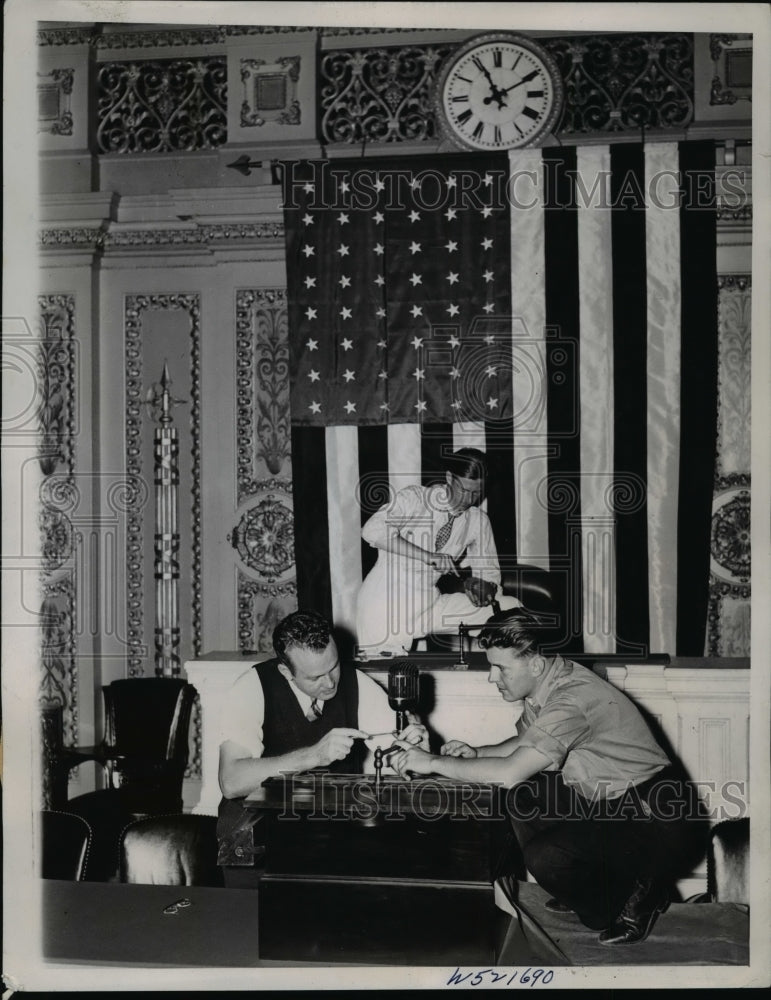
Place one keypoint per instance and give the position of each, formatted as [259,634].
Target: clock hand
[525,79]
[495,93]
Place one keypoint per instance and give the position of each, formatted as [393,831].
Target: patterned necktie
[443,535]
[314,712]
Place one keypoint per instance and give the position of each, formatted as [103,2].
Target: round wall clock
[498,91]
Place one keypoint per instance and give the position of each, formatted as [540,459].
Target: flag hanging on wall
[556,308]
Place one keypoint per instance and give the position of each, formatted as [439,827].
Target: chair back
[728,861]
[149,717]
[66,840]
[179,849]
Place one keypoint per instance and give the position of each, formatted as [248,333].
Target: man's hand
[336,745]
[412,759]
[480,592]
[441,562]
[415,734]
[456,748]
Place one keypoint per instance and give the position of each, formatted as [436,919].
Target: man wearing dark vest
[299,711]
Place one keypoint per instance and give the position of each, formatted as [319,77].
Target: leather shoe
[636,920]
[557,907]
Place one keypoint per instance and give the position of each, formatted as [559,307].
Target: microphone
[402,691]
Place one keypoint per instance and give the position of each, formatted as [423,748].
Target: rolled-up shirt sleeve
[391,517]
[556,731]
[482,554]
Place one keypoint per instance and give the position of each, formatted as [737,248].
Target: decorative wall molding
[732,73]
[54,92]
[270,91]
[59,677]
[57,383]
[204,236]
[728,615]
[135,306]
[262,386]
[66,36]
[260,609]
[161,105]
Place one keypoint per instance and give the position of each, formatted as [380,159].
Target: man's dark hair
[517,629]
[468,463]
[302,628]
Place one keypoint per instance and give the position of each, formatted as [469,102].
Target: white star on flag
[452,309]
[488,275]
[345,312]
[345,187]
[378,217]
[486,212]
[310,313]
[454,342]
[451,182]
[490,371]
[452,246]
[492,402]
[346,344]
[455,405]
[308,219]
[384,406]
[308,250]
[418,374]
[382,343]
[379,185]
[345,280]
[343,218]
[450,214]
[414,216]
[488,307]
[350,407]
[416,342]
[380,280]
[348,375]
[489,338]
[380,313]
[486,243]
[312,345]
[416,311]
[378,248]
[308,187]
[454,373]
[343,250]
[414,247]
[487,180]
[315,407]
[452,277]
[310,282]
[415,280]
[382,374]
[420,406]
[313,375]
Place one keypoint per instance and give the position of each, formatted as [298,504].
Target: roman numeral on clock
[530,112]
[497,58]
[461,98]
[496,134]
[477,133]
[535,93]
[464,117]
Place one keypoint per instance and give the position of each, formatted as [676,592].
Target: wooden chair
[65,842]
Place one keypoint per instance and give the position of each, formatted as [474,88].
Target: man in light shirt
[599,812]
[301,711]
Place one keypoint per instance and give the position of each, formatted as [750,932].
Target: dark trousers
[589,855]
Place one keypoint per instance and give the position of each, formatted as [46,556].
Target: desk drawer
[377,921]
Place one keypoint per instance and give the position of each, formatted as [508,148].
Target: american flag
[400,305]
[556,308]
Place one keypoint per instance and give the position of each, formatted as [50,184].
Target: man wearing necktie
[425,537]
[300,711]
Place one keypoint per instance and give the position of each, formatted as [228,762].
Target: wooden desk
[404,879]
[107,922]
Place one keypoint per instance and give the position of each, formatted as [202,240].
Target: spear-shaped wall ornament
[159,402]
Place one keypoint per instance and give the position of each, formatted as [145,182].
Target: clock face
[499,92]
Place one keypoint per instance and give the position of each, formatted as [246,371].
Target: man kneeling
[594,801]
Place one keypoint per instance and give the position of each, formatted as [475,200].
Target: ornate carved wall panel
[263,533]
[58,497]
[161,105]
[728,631]
[54,93]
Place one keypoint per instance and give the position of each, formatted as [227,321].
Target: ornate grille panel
[379,95]
[613,83]
[162,105]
